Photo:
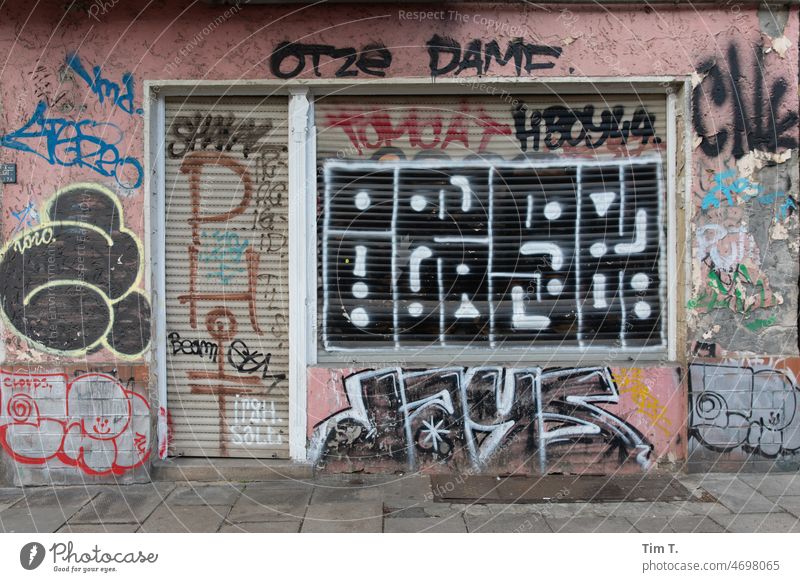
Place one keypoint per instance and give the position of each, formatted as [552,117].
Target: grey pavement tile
[124,504]
[701,508]
[773,485]
[759,523]
[185,518]
[507,523]
[453,524]
[790,503]
[652,525]
[45,509]
[423,510]
[639,509]
[262,502]
[99,528]
[739,497]
[224,494]
[329,493]
[591,524]
[695,524]
[350,516]
[262,527]
[9,496]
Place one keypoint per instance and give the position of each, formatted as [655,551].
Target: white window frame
[303,284]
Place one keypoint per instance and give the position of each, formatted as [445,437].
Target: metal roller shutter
[482,223]
[227,276]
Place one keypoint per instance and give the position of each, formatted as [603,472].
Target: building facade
[494,238]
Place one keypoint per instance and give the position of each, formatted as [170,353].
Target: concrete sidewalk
[348,503]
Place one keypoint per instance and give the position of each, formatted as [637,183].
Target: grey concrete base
[239,470]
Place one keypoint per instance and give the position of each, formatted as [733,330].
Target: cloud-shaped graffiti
[755,409]
[68,286]
[92,423]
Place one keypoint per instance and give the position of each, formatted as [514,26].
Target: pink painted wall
[168,41]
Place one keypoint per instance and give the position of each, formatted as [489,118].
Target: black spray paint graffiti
[554,127]
[563,254]
[201,131]
[740,109]
[478,417]
[445,55]
[372,60]
[193,347]
[68,286]
[248,361]
[743,408]
[475,55]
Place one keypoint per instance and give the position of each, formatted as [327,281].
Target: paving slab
[454,524]
[652,525]
[262,527]
[790,503]
[345,517]
[773,485]
[701,508]
[739,497]
[99,528]
[695,524]
[185,518]
[331,493]
[45,509]
[636,510]
[506,523]
[9,496]
[279,501]
[591,524]
[124,504]
[759,523]
[425,510]
[223,494]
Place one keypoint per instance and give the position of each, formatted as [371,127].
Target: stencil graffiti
[68,286]
[576,261]
[201,131]
[105,89]
[737,110]
[91,422]
[85,143]
[753,409]
[476,416]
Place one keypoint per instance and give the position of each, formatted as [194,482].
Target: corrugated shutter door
[227,276]
[458,223]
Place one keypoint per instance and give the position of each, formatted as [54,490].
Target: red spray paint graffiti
[92,422]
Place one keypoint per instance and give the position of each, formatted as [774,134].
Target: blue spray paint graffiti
[86,143]
[726,185]
[104,88]
[27,217]
[227,252]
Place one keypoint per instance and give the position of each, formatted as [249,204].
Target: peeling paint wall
[71,113]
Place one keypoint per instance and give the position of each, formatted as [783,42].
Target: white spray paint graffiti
[416,417]
[426,253]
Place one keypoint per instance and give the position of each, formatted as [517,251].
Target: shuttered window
[449,224]
[227,276]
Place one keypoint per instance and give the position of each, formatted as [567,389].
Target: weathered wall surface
[71,119]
